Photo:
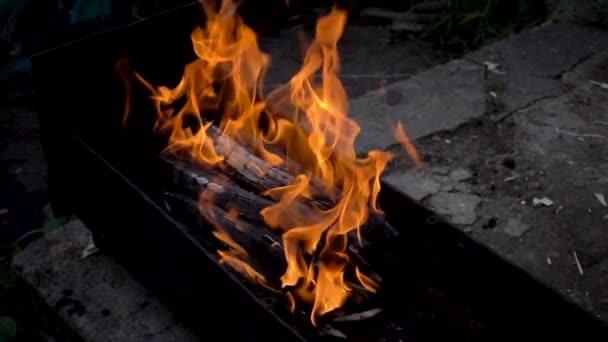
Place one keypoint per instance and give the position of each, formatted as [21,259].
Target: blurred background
[31,26]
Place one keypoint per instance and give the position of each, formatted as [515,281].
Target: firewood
[228,196]
[252,170]
[260,175]
[225,193]
[263,246]
[245,226]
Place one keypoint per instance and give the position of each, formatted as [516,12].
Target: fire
[306,120]
[404,140]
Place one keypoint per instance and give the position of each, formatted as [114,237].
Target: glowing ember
[223,86]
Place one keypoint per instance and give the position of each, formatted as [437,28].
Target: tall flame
[307,120]
[319,108]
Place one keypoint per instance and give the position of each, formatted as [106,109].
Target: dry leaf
[602,85]
[542,201]
[89,250]
[493,67]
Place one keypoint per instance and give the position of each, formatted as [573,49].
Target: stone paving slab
[530,65]
[544,51]
[96,297]
[440,98]
[594,69]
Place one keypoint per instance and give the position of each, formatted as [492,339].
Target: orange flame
[329,154]
[307,120]
[236,255]
[404,140]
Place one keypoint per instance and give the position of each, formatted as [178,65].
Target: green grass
[467,24]
[495,104]
[603,11]
[497,86]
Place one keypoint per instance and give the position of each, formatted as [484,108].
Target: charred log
[253,171]
[224,192]
[263,246]
[243,165]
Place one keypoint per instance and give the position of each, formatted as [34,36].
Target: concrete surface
[438,99]
[531,65]
[363,66]
[95,297]
[542,132]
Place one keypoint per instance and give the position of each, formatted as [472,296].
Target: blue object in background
[90,9]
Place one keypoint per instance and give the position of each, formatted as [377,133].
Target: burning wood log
[264,250]
[262,176]
[245,194]
[252,170]
[226,194]
[238,212]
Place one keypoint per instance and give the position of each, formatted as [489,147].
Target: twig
[331,331]
[407,26]
[578,264]
[390,229]
[585,135]
[274,243]
[599,84]
[359,316]
[376,12]
[381,76]
[599,122]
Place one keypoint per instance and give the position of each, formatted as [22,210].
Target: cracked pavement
[523,118]
[111,305]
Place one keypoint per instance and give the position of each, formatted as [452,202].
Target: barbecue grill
[438,283]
